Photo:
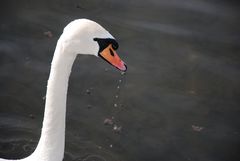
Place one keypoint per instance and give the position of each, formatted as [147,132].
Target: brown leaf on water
[108,121]
[48,34]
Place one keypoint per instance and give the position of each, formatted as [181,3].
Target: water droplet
[115,105]
[114,127]
[88,91]
[32,116]
[89,106]
[117,129]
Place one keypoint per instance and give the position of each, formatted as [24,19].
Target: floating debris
[120,81]
[115,105]
[118,87]
[116,96]
[110,145]
[108,121]
[48,34]
[197,128]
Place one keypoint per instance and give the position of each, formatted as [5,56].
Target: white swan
[81,36]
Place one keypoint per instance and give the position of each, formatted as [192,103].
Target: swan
[81,36]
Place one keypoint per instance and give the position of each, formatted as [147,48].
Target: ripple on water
[16,149]
[94,157]
[91,158]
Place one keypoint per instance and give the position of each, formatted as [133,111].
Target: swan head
[84,36]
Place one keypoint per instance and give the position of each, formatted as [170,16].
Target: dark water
[179,100]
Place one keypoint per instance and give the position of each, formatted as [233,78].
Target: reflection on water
[179,99]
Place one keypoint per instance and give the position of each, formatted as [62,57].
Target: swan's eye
[111,52]
[104,43]
[114,45]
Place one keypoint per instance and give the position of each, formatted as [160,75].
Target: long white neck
[52,140]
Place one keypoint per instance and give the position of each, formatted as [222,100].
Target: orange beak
[111,56]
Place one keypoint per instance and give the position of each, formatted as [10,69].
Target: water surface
[178,101]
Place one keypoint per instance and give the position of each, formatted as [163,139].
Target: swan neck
[52,140]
